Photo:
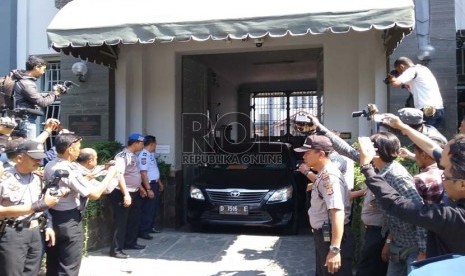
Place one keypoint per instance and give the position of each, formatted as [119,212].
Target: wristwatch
[334,249]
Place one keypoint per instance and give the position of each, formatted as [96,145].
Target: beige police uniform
[330,192]
[21,244]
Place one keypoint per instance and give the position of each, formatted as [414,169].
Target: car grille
[236,196]
[253,216]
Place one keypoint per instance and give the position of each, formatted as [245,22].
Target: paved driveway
[193,254]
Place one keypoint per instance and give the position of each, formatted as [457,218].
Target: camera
[52,185]
[303,123]
[65,86]
[369,113]
[394,73]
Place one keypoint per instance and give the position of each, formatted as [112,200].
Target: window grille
[273,113]
[51,77]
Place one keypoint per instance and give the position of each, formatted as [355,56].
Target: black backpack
[7,85]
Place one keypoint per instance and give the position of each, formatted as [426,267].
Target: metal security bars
[273,113]
[51,77]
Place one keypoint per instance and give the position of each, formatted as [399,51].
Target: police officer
[127,218]
[152,185]
[21,206]
[329,211]
[65,257]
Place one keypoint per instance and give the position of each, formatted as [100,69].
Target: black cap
[316,142]
[32,149]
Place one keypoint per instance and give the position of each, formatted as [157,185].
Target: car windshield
[251,157]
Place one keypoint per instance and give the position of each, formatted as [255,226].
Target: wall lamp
[80,70]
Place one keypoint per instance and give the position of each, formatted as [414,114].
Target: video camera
[394,73]
[52,185]
[65,86]
[371,113]
[304,123]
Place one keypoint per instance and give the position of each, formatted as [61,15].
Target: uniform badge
[143,161]
[325,176]
[329,187]
[13,186]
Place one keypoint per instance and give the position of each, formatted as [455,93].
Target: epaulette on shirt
[7,178]
[327,184]
[121,154]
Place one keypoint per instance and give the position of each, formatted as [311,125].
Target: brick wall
[443,63]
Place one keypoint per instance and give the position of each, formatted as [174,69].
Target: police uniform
[148,163]
[126,219]
[330,192]
[65,256]
[21,246]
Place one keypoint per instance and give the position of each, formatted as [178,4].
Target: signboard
[85,125]
[346,135]
[162,149]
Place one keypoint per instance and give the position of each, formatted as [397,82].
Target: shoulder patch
[328,186]
[143,161]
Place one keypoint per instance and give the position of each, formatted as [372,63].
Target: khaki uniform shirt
[78,185]
[128,164]
[19,189]
[329,192]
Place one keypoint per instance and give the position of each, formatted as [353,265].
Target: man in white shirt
[419,81]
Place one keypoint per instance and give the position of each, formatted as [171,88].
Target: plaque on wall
[85,125]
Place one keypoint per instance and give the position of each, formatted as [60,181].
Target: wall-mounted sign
[85,125]
[346,135]
[163,149]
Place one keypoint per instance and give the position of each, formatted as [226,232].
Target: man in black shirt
[447,222]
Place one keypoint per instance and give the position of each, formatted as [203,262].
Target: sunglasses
[447,178]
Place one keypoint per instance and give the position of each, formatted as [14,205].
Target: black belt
[373,227]
[320,230]
[153,181]
[21,224]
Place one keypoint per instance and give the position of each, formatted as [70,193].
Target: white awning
[98,23]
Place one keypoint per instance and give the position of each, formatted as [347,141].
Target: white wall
[459,14]
[353,68]
[33,19]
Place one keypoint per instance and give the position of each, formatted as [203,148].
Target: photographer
[21,207]
[26,93]
[405,240]
[65,257]
[423,86]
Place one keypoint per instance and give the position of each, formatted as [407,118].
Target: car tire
[293,227]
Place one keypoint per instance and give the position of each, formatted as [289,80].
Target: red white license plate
[234,210]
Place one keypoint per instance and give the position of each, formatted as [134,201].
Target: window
[51,77]
[271,115]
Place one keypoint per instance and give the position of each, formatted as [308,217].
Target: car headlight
[196,193]
[281,195]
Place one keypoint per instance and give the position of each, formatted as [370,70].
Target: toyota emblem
[235,194]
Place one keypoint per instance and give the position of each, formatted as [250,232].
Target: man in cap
[403,237]
[446,221]
[127,218]
[65,257]
[330,209]
[414,118]
[21,212]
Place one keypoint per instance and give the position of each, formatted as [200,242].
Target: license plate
[234,210]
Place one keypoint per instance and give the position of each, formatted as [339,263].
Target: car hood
[246,179]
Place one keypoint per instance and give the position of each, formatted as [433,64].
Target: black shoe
[155,231]
[136,246]
[145,236]
[119,255]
